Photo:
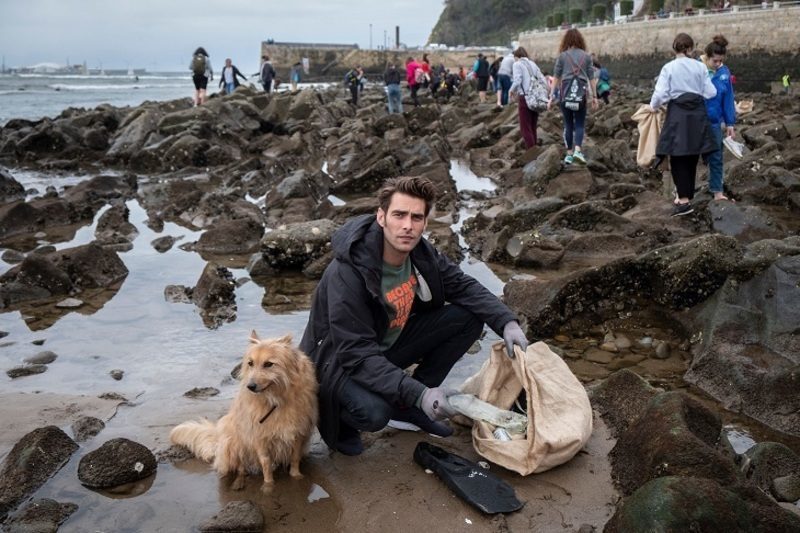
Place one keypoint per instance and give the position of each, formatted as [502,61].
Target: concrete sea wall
[764,43]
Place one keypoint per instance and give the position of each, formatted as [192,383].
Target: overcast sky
[162,34]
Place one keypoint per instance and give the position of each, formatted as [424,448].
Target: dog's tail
[199,436]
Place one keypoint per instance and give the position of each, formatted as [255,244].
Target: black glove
[434,404]
[512,334]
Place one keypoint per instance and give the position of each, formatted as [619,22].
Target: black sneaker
[349,441]
[682,209]
[413,419]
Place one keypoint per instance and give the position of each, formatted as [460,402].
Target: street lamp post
[370,36]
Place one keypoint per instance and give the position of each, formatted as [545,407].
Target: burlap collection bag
[559,413]
[649,125]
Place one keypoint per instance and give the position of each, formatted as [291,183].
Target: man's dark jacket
[348,318]
[687,130]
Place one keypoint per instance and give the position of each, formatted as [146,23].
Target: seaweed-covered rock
[675,436]
[749,355]
[621,399]
[692,504]
[116,462]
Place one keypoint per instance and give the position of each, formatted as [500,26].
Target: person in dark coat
[389,300]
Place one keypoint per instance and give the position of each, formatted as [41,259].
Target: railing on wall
[627,19]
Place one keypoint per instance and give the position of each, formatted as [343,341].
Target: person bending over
[387,301]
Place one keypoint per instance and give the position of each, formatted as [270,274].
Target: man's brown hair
[414,186]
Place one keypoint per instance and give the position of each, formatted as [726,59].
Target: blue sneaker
[568,159]
[578,157]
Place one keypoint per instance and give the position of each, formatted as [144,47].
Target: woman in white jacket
[523,71]
[683,85]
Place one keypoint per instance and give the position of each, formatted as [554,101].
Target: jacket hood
[352,232]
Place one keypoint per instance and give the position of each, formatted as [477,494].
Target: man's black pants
[436,340]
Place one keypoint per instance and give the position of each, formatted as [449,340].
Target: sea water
[35,96]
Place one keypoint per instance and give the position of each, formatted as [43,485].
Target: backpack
[419,76]
[573,93]
[536,95]
[199,65]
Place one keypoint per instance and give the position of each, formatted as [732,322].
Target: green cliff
[498,22]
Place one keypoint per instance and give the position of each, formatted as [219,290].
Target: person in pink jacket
[413,70]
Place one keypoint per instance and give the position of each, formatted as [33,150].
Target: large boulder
[99,190]
[541,170]
[240,236]
[677,276]
[749,356]
[20,218]
[116,462]
[32,461]
[674,436]
[747,223]
[621,399]
[766,462]
[692,504]
[42,276]
[134,133]
[528,215]
[114,228]
[215,288]
[296,245]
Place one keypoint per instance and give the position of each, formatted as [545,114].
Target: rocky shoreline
[598,270]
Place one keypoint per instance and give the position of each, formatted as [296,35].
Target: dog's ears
[254,337]
[286,339]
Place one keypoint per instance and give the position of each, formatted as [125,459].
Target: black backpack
[199,65]
[573,92]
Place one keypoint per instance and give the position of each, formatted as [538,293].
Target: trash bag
[558,408]
[649,125]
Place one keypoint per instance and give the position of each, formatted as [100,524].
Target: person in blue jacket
[720,109]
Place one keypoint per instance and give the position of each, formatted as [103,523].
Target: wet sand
[383,489]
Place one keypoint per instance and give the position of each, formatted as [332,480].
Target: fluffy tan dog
[270,421]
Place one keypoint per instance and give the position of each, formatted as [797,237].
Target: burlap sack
[559,413]
[649,125]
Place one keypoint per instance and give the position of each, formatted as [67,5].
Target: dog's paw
[238,483]
[295,474]
[267,488]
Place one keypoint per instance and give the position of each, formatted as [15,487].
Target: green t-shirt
[398,287]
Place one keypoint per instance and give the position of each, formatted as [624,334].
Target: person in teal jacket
[719,109]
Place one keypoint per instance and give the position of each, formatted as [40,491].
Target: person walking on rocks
[573,76]
[414,77]
[526,73]
[720,109]
[504,74]
[603,80]
[295,75]
[267,74]
[202,73]
[229,77]
[388,301]
[481,70]
[394,95]
[786,83]
[683,85]
[353,82]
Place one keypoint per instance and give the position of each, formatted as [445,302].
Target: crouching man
[387,301]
